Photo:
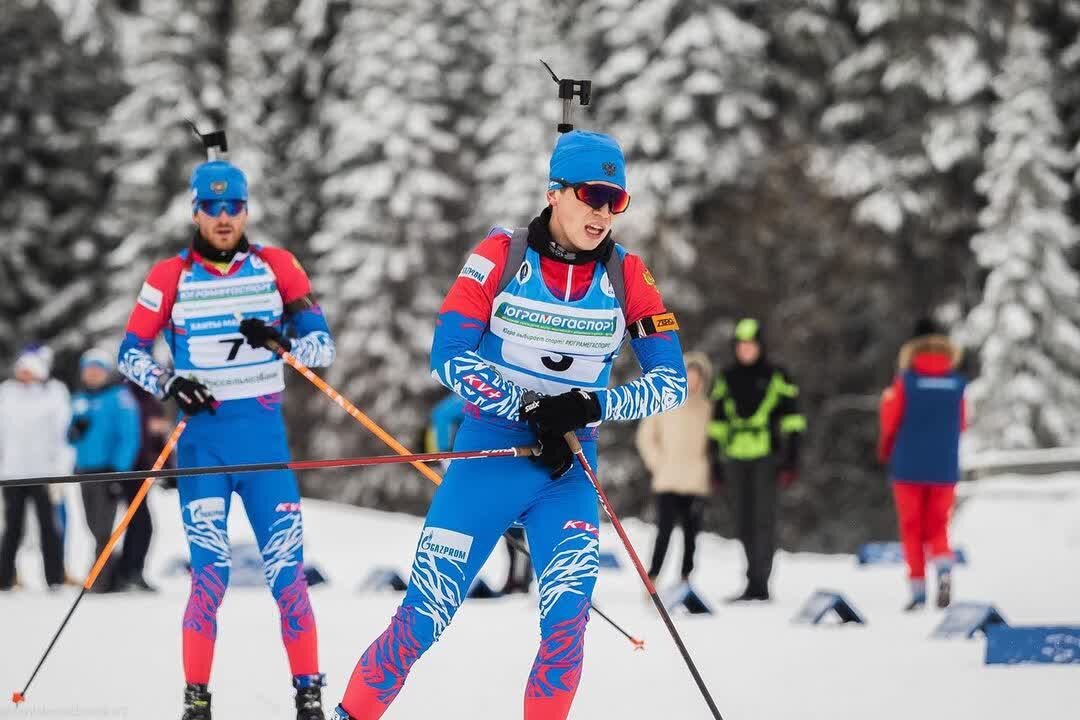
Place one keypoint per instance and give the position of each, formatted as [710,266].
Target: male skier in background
[228,384]
[551,324]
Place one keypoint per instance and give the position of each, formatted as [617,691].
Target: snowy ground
[120,657]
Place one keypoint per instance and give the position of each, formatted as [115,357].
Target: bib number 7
[227,350]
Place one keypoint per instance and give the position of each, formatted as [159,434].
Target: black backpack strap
[613,266]
[519,243]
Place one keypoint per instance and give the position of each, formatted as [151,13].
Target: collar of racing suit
[208,251]
[541,241]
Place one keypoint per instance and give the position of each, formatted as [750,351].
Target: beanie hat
[96,357]
[581,156]
[218,180]
[748,330]
[35,359]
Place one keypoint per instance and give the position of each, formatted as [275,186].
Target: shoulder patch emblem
[649,279]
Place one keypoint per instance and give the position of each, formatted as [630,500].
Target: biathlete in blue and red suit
[540,309]
[217,304]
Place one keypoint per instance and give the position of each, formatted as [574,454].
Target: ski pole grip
[573,442]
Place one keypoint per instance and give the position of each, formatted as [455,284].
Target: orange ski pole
[19,697]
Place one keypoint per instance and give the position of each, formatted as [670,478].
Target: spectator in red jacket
[922,416]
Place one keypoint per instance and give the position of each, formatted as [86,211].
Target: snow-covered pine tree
[399,104]
[682,85]
[58,81]
[175,64]
[902,134]
[1027,327]
[516,133]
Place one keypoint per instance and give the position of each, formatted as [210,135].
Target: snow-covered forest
[837,168]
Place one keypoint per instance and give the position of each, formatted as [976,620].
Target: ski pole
[397,447]
[575,447]
[19,697]
[258,467]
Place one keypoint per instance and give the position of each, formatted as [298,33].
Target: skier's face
[94,376]
[575,225]
[222,231]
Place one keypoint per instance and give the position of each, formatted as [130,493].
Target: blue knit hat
[582,156]
[218,180]
[96,357]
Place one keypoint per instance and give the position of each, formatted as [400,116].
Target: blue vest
[551,344]
[927,446]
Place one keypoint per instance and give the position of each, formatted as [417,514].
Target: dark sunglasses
[213,208]
[597,196]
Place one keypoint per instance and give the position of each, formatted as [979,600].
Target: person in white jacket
[675,448]
[35,412]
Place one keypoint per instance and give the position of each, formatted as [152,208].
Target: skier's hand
[560,414]
[555,454]
[258,334]
[191,395]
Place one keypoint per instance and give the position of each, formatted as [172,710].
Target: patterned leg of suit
[564,538]
[272,502]
[476,502]
[204,503]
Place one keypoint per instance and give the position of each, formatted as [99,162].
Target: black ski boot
[196,702]
[309,696]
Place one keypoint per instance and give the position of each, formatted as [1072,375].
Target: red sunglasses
[213,208]
[597,196]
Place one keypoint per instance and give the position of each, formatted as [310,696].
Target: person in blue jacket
[105,432]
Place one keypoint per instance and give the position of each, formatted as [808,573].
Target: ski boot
[309,696]
[196,702]
[944,589]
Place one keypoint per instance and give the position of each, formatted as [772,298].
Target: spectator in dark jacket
[757,425]
[922,416]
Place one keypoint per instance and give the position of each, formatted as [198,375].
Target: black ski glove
[555,453]
[191,395]
[258,334]
[559,414]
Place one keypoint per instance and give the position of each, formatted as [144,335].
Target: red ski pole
[575,447]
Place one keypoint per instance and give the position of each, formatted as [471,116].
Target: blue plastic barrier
[684,597]
[892,553]
[822,603]
[610,560]
[1057,645]
[967,618]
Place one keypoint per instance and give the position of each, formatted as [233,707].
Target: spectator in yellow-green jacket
[757,426]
